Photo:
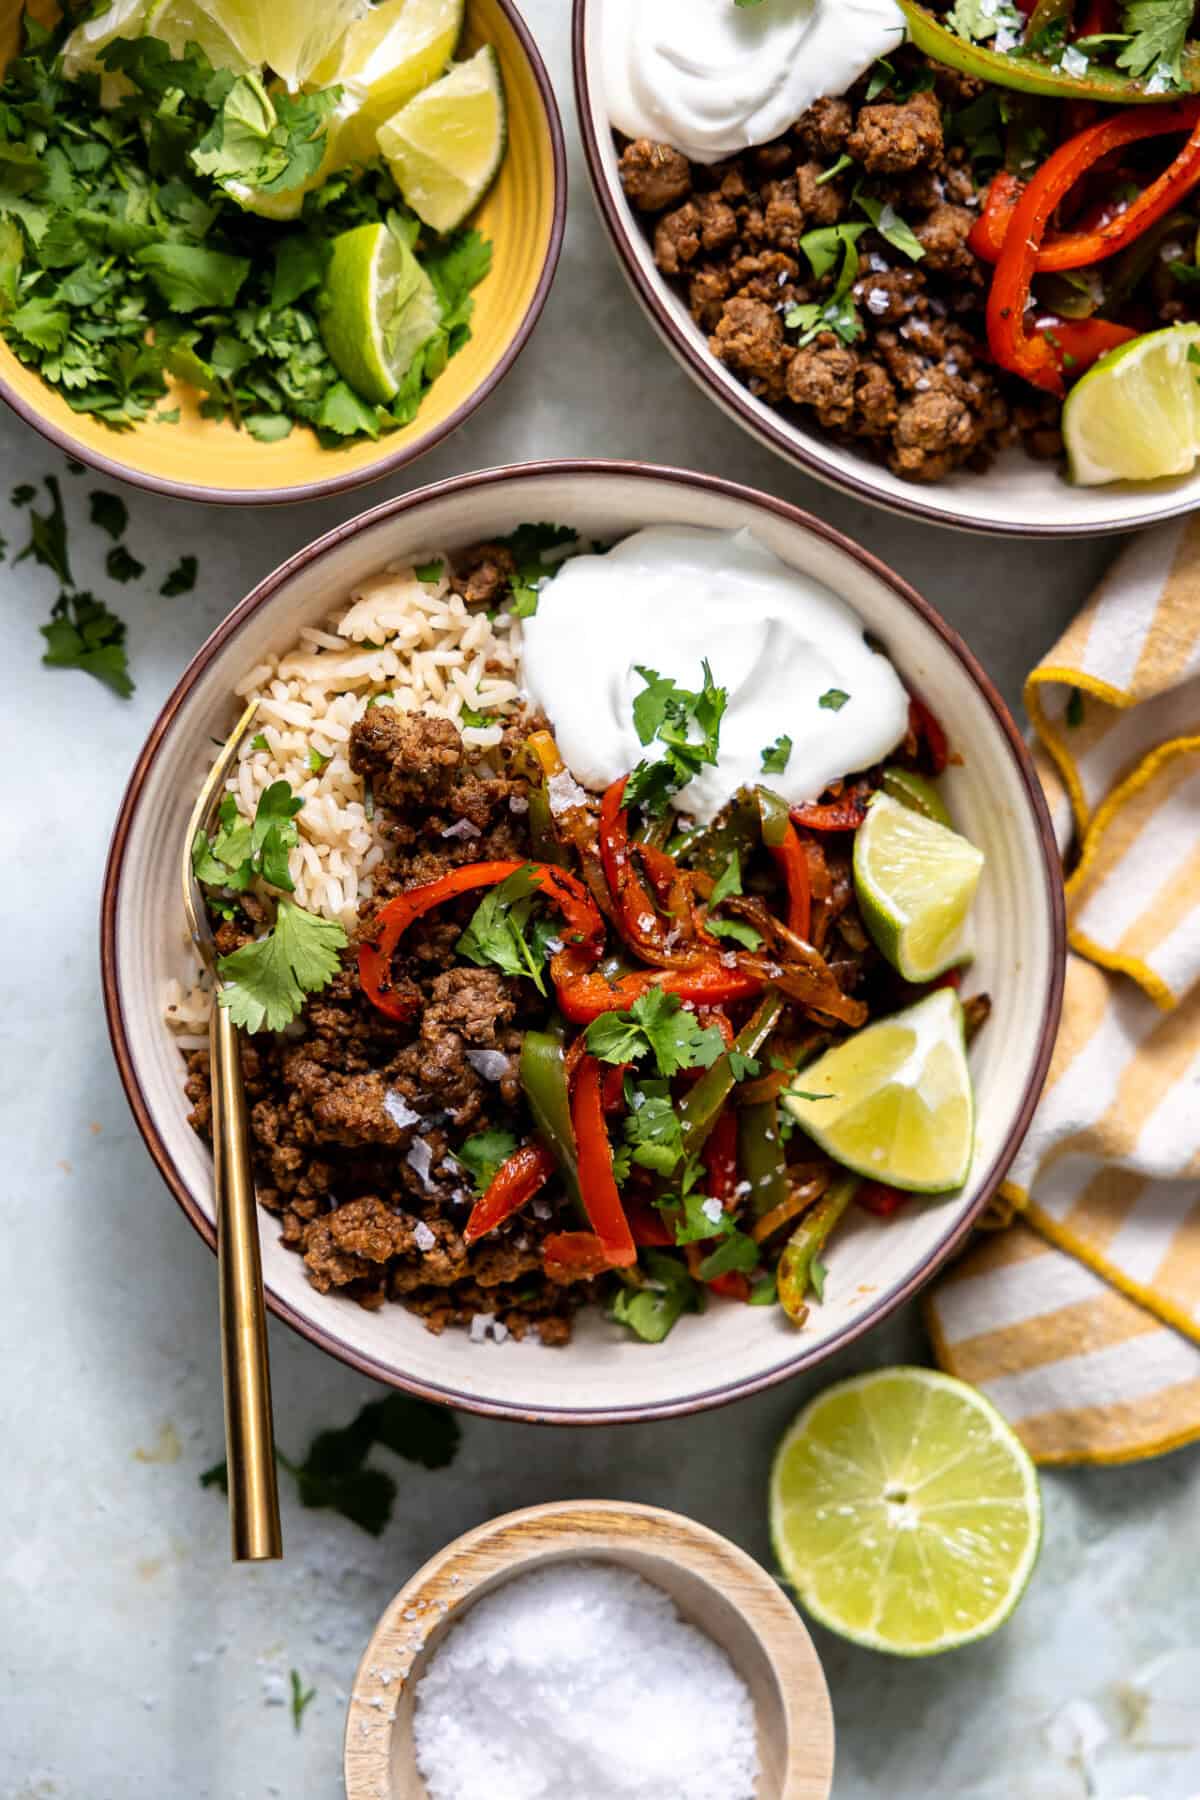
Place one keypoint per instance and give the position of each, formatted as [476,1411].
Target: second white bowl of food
[351,1101]
[903,405]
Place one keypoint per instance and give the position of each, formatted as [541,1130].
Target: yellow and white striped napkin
[1082,1320]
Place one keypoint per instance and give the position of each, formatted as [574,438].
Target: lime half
[894,1101]
[385,58]
[915,880]
[371,280]
[445,147]
[1135,416]
[904,1512]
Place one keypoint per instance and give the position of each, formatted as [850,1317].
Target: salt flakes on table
[582,1682]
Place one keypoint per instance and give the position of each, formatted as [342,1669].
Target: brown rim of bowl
[399,459]
[702,367]
[325,1337]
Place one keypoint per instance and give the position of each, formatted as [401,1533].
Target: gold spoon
[249,1436]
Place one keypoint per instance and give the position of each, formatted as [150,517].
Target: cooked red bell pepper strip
[1078,249]
[574,1255]
[601,1199]
[668,943]
[563,890]
[792,862]
[516,1180]
[926,727]
[720,1156]
[584,994]
[1078,343]
[846,814]
[880,1199]
[650,1230]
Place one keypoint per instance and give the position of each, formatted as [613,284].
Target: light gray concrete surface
[134,1661]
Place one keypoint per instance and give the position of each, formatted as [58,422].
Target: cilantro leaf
[833,699]
[301,1697]
[891,226]
[528,545]
[504,932]
[686,723]
[84,634]
[656,1024]
[764,1292]
[776,756]
[699,1218]
[737,929]
[736,1252]
[181,579]
[743,1068]
[109,512]
[483,1154]
[266,981]
[1158,31]
[120,565]
[345,414]
[191,278]
[430,572]
[729,881]
[48,536]
[241,849]
[652,1311]
[652,1131]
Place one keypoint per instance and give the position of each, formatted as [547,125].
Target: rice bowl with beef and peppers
[556,983]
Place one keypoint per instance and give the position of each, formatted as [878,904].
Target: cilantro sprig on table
[124,257]
[686,723]
[334,1473]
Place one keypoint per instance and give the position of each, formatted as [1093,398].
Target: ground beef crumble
[355,1118]
[917,387]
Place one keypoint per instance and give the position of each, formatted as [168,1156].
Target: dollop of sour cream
[711,77]
[777,641]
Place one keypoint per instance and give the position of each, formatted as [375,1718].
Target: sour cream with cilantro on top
[790,655]
[711,77]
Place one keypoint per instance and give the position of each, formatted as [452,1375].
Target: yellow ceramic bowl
[523,215]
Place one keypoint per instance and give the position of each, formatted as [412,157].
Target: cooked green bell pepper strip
[543,839]
[544,1081]
[773,817]
[806,1243]
[760,1156]
[735,831]
[1029,74]
[1128,270]
[701,1108]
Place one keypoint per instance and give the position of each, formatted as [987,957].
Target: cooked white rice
[402,642]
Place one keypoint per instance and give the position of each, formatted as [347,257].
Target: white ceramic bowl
[606,1374]
[1017,495]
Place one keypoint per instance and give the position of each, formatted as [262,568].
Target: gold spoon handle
[249,1444]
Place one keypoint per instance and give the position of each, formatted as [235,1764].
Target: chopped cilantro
[430,571]
[266,981]
[729,881]
[843,162]
[316,761]
[504,932]
[833,699]
[891,226]
[736,1252]
[125,257]
[652,1310]
[483,1154]
[333,1475]
[528,545]
[836,313]
[301,1697]
[241,849]
[84,634]
[737,929]
[109,512]
[121,566]
[656,1024]
[653,1134]
[259,742]
[764,1292]
[181,579]
[48,536]
[817,1271]
[776,756]
[695,1218]
[686,723]
[476,721]
[743,1068]
[1157,31]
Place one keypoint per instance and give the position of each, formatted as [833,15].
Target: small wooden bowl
[715,1586]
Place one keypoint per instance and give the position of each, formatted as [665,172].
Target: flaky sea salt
[398,1110]
[493,1065]
[584,1684]
[422,1236]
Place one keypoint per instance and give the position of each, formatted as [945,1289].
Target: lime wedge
[179,23]
[385,58]
[915,880]
[894,1101]
[1135,416]
[916,791]
[290,37]
[445,147]
[904,1512]
[371,279]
